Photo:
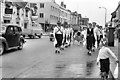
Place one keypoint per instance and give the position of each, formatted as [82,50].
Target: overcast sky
[90,8]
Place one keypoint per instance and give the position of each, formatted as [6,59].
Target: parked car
[11,37]
[32,31]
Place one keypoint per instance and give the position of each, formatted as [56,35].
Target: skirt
[105,65]
[59,39]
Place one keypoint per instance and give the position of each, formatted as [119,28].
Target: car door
[16,35]
[9,36]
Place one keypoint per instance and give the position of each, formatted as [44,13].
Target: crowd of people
[64,36]
[92,36]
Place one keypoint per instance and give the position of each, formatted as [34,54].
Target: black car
[11,37]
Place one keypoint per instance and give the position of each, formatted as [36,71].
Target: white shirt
[56,30]
[96,30]
[104,53]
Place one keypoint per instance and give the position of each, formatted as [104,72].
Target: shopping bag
[116,72]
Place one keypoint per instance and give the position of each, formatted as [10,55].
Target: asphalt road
[38,60]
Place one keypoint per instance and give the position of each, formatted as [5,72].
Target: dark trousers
[105,65]
[59,38]
[93,43]
[89,44]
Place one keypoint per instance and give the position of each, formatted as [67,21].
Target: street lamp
[105,13]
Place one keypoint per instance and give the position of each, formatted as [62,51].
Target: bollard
[111,36]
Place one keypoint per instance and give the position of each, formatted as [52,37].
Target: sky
[90,8]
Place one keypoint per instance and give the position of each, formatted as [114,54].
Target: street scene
[47,39]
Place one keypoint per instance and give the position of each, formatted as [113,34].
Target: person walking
[100,35]
[71,33]
[96,35]
[58,35]
[90,38]
[84,32]
[104,58]
[65,35]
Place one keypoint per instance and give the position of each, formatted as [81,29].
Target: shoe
[89,53]
[56,51]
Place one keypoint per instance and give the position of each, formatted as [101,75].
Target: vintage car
[35,30]
[11,37]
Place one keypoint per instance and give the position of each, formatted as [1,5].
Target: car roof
[10,24]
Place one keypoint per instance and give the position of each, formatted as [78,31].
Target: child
[103,58]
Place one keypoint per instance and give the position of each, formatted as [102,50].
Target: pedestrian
[100,35]
[65,33]
[84,32]
[103,57]
[90,38]
[71,33]
[96,35]
[58,35]
[67,36]
[64,38]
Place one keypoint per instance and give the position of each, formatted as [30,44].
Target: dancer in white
[58,36]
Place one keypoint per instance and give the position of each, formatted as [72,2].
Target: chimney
[62,4]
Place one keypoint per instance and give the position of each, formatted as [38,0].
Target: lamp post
[105,13]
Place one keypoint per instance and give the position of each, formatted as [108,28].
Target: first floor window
[6,21]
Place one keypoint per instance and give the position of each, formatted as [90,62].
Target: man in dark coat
[90,38]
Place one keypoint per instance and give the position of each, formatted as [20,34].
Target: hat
[89,24]
[58,22]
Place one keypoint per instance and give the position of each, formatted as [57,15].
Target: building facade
[50,13]
[21,13]
[74,18]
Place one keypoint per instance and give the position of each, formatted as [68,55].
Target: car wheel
[50,39]
[20,45]
[2,48]
[24,36]
[33,36]
[39,36]
[30,36]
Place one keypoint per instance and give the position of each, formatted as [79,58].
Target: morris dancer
[58,35]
